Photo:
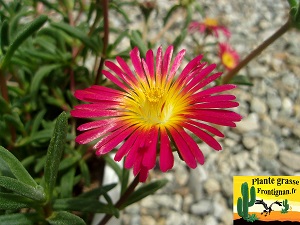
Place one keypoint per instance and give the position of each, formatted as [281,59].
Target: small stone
[249,142]
[258,106]
[210,220]
[269,148]
[290,159]
[211,186]
[181,175]
[201,208]
[250,123]
[287,106]
[147,220]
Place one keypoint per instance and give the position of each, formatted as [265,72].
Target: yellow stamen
[228,60]
[211,22]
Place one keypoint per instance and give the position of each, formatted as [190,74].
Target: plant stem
[105,40]
[3,87]
[122,200]
[257,51]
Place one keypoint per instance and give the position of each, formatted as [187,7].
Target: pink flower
[209,26]
[228,56]
[155,110]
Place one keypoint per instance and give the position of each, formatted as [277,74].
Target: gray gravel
[265,142]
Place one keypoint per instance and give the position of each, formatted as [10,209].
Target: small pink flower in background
[209,26]
[229,57]
[155,110]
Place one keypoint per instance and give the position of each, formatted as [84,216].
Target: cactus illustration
[243,203]
[286,206]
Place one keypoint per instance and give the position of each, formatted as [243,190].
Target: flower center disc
[228,60]
[210,22]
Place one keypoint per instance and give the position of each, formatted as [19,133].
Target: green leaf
[179,39]
[77,33]
[97,192]
[144,191]
[64,218]
[124,180]
[136,40]
[4,36]
[241,80]
[113,46]
[85,172]
[54,153]
[35,193]
[66,184]
[16,167]
[112,163]
[69,161]
[170,12]
[21,37]
[10,201]
[20,219]
[39,75]
[37,136]
[84,205]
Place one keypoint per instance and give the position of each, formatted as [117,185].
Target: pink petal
[204,137]
[150,63]
[91,135]
[193,146]
[136,61]
[203,73]
[109,142]
[125,148]
[176,64]
[207,118]
[96,124]
[183,149]
[96,113]
[215,105]
[114,80]
[208,98]
[143,174]
[158,64]
[189,67]
[149,157]
[119,72]
[167,61]
[126,69]
[216,89]
[206,81]
[205,127]
[166,158]
[131,156]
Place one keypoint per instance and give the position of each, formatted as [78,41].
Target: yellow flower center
[211,22]
[228,60]
[154,94]
[154,106]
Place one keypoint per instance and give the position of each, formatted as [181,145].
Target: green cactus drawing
[243,203]
[286,206]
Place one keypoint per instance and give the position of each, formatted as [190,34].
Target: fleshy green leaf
[39,75]
[54,153]
[66,184]
[241,80]
[20,219]
[16,167]
[64,218]
[112,163]
[170,12]
[4,36]
[97,192]
[85,172]
[77,33]
[144,191]
[84,205]
[136,40]
[21,37]
[35,193]
[10,201]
